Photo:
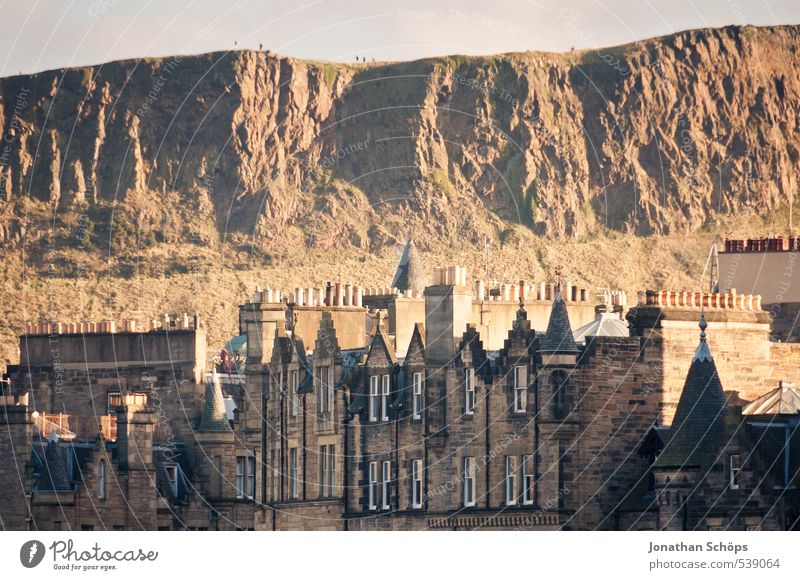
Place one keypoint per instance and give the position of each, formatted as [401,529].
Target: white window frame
[373,398]
[520,388]
[511,480]
[250,477]
[416,395]
[416,483]
[469,391]
[294,383]
[469,481]
[734,472]
[293,473]
[321,390]
[527,480]
[101,479]
[386,485]
[385,388]
[373,485]
[327,470]
[240,476]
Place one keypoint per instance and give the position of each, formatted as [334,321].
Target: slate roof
[54,471]
[410,274]
[785,400]
[699,421]
[558,337]
[215,416]
[605,324]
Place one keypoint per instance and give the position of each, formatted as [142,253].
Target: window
[293,384]
[101,479]
[373,485]
[734,470]
[511,480]
[416,403]
[469,481]
[416,483]
[240,477]
[374,401]
[114,401]
[324,389]
[385,398]
[469,391]
[386,484]
[527,479]
[245,477]
[251,477]
[520,389]
[558,385]
[327,470]
[171,470]
[293,473]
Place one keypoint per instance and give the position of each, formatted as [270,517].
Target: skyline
[48,36]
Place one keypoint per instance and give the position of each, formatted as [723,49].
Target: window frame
[470,489]
[240,476]
[469,391]
[250,477]
[386,485]
[293,473]
[416,483]
[374,391]
[520,391]
[734,472]
[373,485]
[510,480]
[528,480]
[294,384]
[416,395]
[101,480]
[327,470]
[173,481]
[385,393]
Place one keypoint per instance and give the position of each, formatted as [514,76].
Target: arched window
[559,383]
[101,479]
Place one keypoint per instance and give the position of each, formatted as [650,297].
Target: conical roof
[214,416]
[700,417]
[558,337]
[54,472]
[410,274]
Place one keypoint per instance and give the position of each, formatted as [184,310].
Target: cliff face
[654,137]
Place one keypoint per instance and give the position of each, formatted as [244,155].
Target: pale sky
[38,35]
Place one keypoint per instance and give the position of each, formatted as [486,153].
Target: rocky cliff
[651,137]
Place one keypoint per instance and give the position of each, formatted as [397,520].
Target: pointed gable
[416,346]
[381,352]
[327,344]
[558,337]
[700,417]
[54,470]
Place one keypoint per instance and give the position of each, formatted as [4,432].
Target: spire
[54,472]
[410,274]
[214,416]
[558,337]
[700,417]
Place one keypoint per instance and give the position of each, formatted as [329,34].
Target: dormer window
[171,470]
[520,389]
[469,391]
[385,397]
[416,394]
[374,398]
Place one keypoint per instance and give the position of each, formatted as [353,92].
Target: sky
[38,35]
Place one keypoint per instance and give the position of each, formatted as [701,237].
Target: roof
[237,344]
[54,471]
[558,337]
[785,400]
[410,274]
[215,416]
[605,324]
[700,417]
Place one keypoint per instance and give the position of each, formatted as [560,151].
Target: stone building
[468,406]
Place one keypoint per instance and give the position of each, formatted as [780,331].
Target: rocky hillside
[138,170]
